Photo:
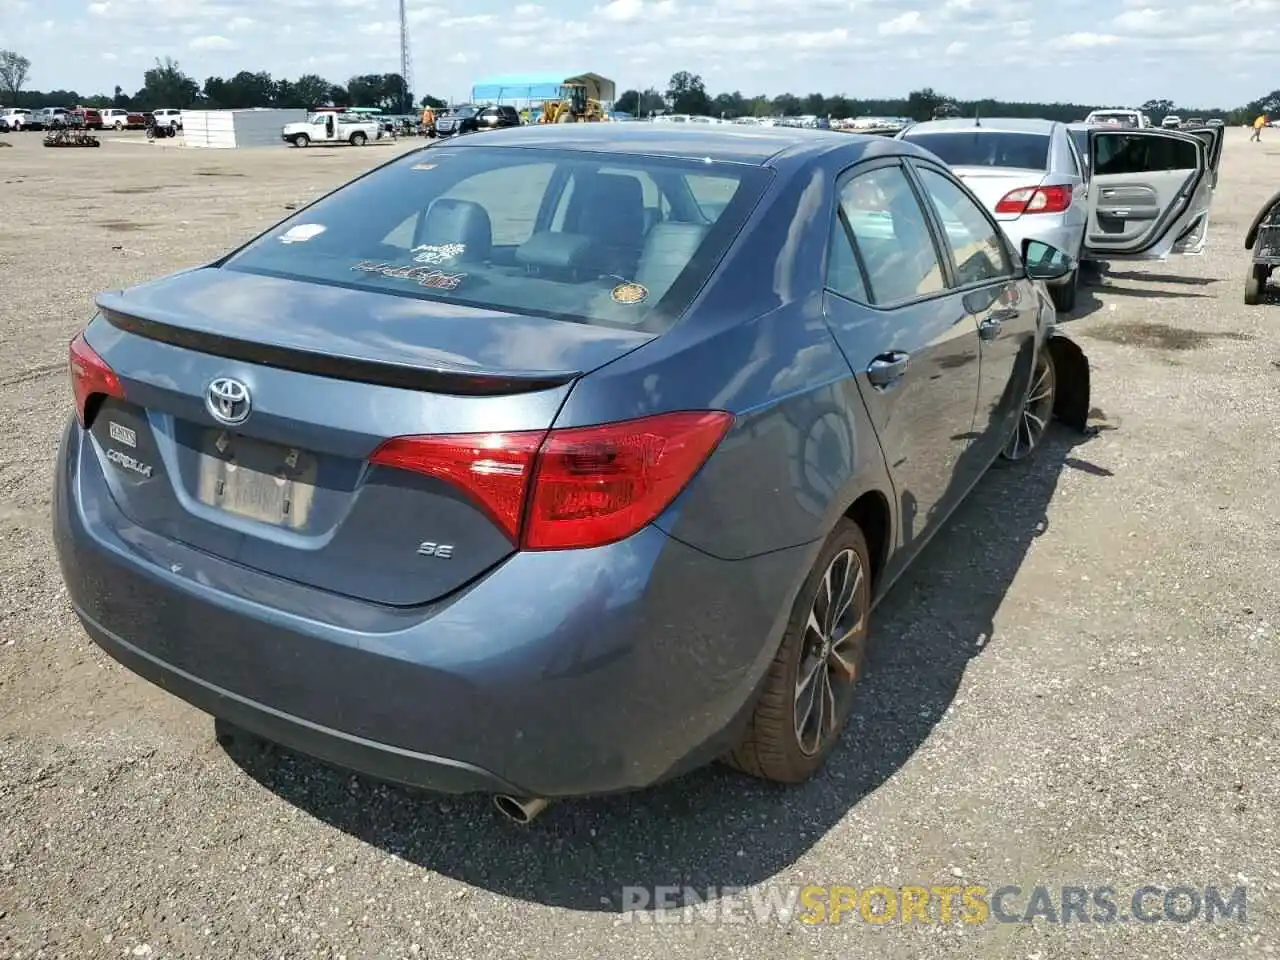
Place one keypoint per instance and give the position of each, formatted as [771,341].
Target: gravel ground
[1076,685]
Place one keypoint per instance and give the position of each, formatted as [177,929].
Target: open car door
[1193,241]
[1149,196]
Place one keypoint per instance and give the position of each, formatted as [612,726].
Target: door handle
[888,368]
[993,323]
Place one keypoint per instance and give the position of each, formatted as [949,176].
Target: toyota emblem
[228,401]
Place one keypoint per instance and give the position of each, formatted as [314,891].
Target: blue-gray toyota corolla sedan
[553,461]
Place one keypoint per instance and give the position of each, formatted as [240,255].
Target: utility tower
[406,65]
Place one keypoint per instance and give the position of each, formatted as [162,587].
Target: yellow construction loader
[574,106]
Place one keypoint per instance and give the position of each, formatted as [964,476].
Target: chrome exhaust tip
[522,810]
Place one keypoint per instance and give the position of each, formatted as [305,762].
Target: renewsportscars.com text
[968,904]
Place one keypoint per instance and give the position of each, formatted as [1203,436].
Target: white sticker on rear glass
[434,254]
[302,233]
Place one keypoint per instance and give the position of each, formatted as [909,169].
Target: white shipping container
[224,129]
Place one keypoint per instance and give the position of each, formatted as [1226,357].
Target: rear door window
[892,235]
[1123,154]
[986,148]
[976,247]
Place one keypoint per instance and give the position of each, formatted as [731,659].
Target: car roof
[994,124]
[725,143]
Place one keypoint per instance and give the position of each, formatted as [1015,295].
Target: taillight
[1035,200]
[90,376]
[571,488]
[494,468]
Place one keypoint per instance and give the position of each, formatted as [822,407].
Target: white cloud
[1089,40]
[241,23]
[910,22]
[211,42]
[476,20]
[529,10]
[622,11]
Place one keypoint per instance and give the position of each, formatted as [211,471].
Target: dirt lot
[1077,685]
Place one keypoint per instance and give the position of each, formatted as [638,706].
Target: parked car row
[90,118]
[1099,191]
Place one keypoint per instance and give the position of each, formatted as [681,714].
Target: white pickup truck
[331,126]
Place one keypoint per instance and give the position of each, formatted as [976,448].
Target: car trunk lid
[252,407]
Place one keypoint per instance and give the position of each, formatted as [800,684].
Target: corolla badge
[228,401]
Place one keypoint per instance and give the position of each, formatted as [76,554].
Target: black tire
[1255,284]
[774,747]
[1037,411]
[301,140]
[1064,295]
[358,139]
[119,126]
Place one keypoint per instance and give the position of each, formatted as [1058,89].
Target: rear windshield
[463,111]
[1121,119]
[613,240]
[986,148]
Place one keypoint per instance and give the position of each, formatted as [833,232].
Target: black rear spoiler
[435,379]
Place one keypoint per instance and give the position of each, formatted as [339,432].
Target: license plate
[256,480]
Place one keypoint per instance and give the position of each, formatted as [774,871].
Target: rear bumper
[556,674]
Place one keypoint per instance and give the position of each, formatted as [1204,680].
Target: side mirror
[1044,262]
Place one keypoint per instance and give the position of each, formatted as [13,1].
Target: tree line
[687,93]
[166,85]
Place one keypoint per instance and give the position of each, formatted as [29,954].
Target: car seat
[667,251]
[609,209]
[458,221]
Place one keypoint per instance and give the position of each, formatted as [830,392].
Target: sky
[1112,52]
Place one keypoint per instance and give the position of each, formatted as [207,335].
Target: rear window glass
[1028,151]
[613,240]
[1119,119]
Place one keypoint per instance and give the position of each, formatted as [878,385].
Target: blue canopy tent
[526,88]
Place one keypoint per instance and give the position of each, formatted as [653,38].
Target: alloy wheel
[1037,411]
[831,651]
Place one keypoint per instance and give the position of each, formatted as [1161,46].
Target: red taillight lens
[573,488]
[1035,200]
[494,468]
[597,485]
[90,376]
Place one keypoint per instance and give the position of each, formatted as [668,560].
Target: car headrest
[667,251]
[458,221]
[555,251]
[610,206]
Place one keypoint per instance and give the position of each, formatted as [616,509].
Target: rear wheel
[119,125]
[809,688]
[1256,283]
[358,139]
[1037,411]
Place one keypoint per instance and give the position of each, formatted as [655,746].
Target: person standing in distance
[1258,124]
